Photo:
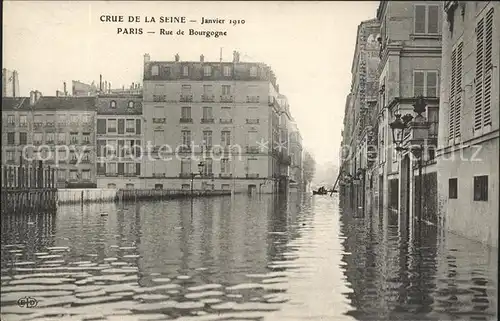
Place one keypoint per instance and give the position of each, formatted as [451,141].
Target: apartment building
[467,155]
[119,140]
[57,130]
[218,114]
[296,157]
[410,62]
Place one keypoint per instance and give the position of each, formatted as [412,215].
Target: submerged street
[247,258]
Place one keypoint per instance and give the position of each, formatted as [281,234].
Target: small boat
[320,193]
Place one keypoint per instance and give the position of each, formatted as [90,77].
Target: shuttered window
[484,72]
[455,115]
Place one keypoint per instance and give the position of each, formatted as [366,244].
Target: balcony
[207,98]
[159,98]
[184,175]
[253,99]
[37,142]
[186,98]
[207,120]
[11,125]
[37,125]
[112,174]
[61,142]
[252,149]
[185,120]
[73,161]
[225,121]
[23,125]
[129,174]
[252,175]
[226,99]
[50,124]
[50,142]
[225,175]
[86,142]
[159,121]
[130,130]
[159,175]
[252,121]
[74,142]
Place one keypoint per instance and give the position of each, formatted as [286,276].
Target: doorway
[252,189]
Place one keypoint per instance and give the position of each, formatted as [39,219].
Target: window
[227,71]
[426,19]
[224,166]
[185,71]
[61,138]
[10,156]
[252,138]
[455,93]
[121,126]
[86,174]
[207,138]
[61,119]
[425,83]
[111,185]
[130,104]
[185,186]
[130,126]
[186,166]
[73,174]
[138,126]
[11,120]
[484,71]
[130,168]
[50,137]
[158,137]
[207,71]
[73,138]
[111,147]
[111,125]
[253,71]
[226,90]
[186,137]
[11,138]
[207,113]
[207,89]
[38,119]
[87,119]
[129,186]
[481,188]
[23,120]
[86,138]
[159,114]
[186,112]
[155,70]
[225,187]
[73,119]
[121,169]
[61,174]
[225,138]
[453,188]
[186,89]
[37,138]
[23,138]
[207,169]
[111,168]
[62,154]
[86,156]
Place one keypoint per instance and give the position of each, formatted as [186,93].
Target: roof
[50,103]
[122,105]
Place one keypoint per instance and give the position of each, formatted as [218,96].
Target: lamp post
[419,130]
[360,175]
[201,165]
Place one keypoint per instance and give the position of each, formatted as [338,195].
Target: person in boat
[321,190]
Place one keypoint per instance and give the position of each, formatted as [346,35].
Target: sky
[309,45]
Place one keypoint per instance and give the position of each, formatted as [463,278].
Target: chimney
[278,88]
[202,58]
[236,56]
[100,82]
[109,87]
[105,86]
[177,58]
[65,92]
[37,95]
[147,58]
[32,98]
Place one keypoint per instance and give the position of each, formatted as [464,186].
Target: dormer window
[207,71]
[112,104]
[227,71]
[253,71]
[185,71]
[155,70]
[130,104]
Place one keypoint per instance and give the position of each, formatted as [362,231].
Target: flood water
[241,258]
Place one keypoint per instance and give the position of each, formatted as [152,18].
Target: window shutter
[420,19]
[431,84]
[121,149]
[451,120]
[121,168]
[488,70]
[433,21]
[138,126]
[121,126]
[418,83]
[101,126]
[478,99]
[138,169]
[458,91]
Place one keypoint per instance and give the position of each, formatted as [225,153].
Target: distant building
[120,128]
[467,155]
[57,130]
[80,89]
[219,112]
[296,157]
[10,83]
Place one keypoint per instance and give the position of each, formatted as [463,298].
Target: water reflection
[253,258]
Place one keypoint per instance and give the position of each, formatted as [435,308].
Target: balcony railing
[130,130]
[207,98]
[50,124]
[158,98]
[37,142]
[253,99]
[207,120]
[252,121]
[186,120]
[112,174]
[37,125]
[225,175]
[158,174]
[50,142]
[186,98]
[159,120]
[23,124]
[253,149]
[11,124]
[73,161]
[129,174]
[252,175]
[184,175]
[85,161]
[74,141]
[226,99]
[226,121]
[86,142]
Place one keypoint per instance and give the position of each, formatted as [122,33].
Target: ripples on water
[250,258]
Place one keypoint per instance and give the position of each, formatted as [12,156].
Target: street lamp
[398,127]
[201,165]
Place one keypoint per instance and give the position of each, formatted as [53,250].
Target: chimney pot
[202,58]
[236,56]
[32,98]
[147,58]
[177,57]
